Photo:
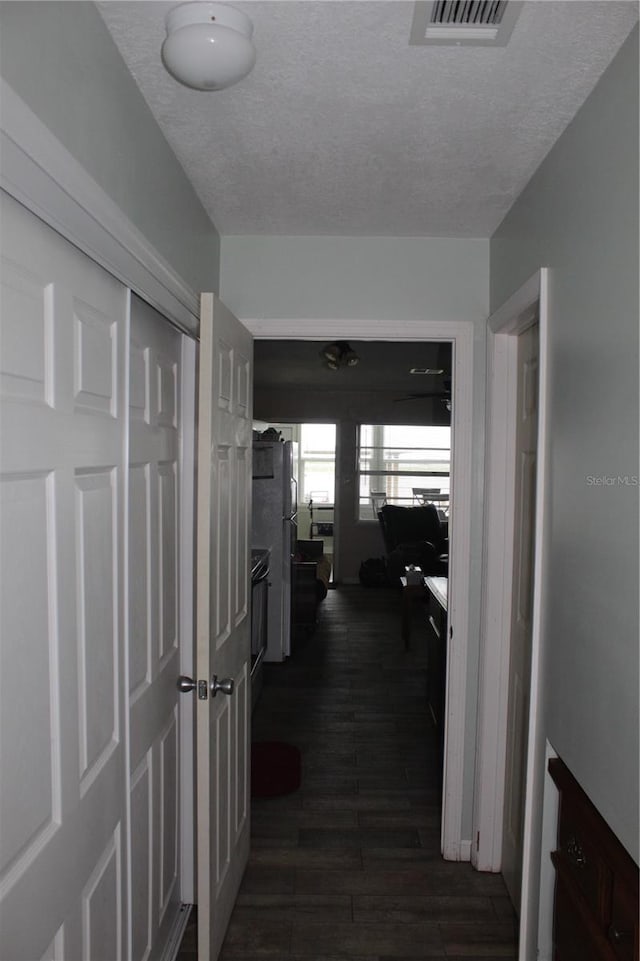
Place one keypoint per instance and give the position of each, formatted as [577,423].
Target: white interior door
[223,621]
[522,611]
[62,725]
[152,626]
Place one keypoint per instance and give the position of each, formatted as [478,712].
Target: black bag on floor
[373,572]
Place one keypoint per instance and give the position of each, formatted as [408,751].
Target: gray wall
[387,278]
[579,217]
[382,279]
[60,59]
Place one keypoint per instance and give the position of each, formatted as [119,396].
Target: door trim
[503,328]
[460,691]
[186,704]
[40,173]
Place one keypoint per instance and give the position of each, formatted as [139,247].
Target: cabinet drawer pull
[617,936]
[575,852]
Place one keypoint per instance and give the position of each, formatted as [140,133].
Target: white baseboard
[458,852]
[465,850]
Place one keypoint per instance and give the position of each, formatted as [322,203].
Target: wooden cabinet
[437,656]
[596,897]
[304,597]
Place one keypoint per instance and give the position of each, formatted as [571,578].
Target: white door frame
[453,845]
[503,329]
[187,619]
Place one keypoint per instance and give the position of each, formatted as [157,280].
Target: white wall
[383,279]
[60,59]
[579,217]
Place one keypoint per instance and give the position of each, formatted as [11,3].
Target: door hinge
[478,841]
[203,690]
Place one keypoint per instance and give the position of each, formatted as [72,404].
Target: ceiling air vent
[464,22]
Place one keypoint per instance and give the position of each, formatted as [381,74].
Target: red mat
[275,768]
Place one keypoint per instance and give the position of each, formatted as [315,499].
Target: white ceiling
[343,128]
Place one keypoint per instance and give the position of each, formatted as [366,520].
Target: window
[316,460]
[403,465]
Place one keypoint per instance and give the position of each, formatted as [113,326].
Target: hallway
[348,867]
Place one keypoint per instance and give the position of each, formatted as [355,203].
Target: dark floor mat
[275,768]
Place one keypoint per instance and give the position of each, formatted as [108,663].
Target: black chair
[414,535]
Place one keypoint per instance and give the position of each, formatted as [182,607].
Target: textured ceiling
[344,128]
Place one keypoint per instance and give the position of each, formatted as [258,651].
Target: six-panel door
[89,532]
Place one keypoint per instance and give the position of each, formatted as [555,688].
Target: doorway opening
[379,433]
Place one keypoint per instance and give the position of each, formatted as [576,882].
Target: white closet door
[62,757]
[152,628]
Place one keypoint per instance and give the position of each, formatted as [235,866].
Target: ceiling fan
[443,394]
[441,373]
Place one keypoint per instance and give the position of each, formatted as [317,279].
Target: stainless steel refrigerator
[275,505]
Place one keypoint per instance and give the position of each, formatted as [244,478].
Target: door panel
[168,559]
[32,794]
[521,616]
[141,816]
[140,546]
[96,545]
[223,623]
[168,850]
[62,818]
[102,905]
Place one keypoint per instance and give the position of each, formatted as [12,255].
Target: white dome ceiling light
[208,45]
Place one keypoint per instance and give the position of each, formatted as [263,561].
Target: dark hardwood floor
[348,868]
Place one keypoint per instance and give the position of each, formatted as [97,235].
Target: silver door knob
[185,684]
[225,685]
